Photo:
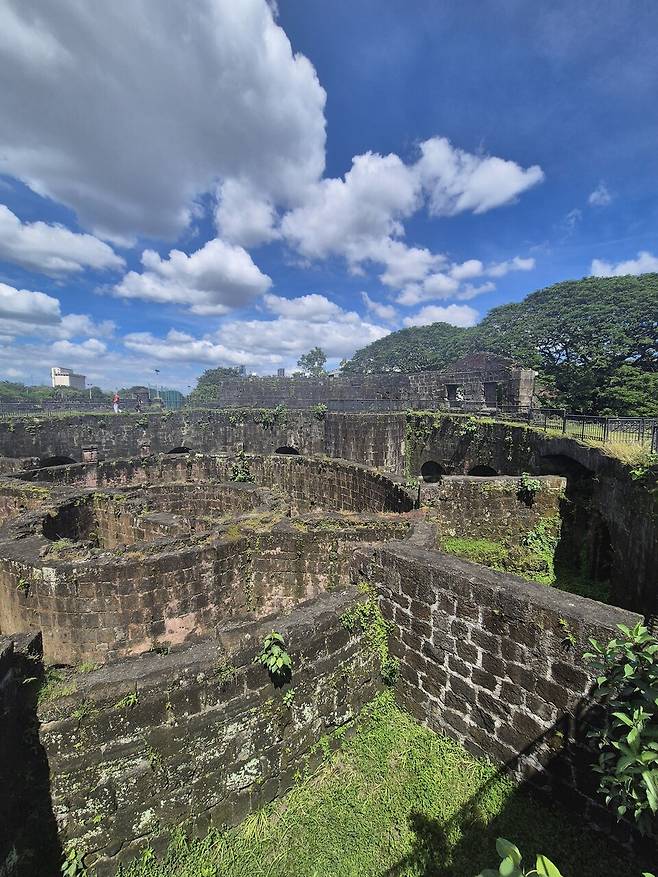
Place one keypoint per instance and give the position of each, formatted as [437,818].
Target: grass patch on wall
[395,801]
[533,558]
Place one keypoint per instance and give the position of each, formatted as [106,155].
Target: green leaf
[507,868]
[506,849]
[545,868]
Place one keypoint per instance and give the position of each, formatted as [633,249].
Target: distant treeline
[594,343]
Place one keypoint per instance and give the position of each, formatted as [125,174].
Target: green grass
[533,560]
[395,801]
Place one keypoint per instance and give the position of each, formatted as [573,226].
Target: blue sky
[206,183]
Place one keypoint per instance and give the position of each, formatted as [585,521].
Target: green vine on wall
[419,427]
[366,616]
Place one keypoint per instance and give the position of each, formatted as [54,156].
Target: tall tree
[313,362]
[419,348]
[578,335]
[590,340]
[208,385]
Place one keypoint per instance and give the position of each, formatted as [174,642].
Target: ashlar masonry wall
[495,662]
[490,508]
[200,736]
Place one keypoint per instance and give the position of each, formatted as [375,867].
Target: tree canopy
[594,343]
[419,348]
[207,388]
[313,362]
[11,391]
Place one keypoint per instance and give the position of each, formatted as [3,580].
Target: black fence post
[606,429]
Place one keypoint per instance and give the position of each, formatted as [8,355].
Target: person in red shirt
[115,403]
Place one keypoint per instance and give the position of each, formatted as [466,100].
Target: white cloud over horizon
[298,325]
[457,315]
[644,263]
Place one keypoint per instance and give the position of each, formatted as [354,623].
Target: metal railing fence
[624,430]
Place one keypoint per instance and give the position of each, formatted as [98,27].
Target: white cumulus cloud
[456,315]
[500,269]
[456,180]
[213,280]
[264,344]
[361,216]
[380,310]
[600,197]
[244,215]
[85,350]
[26,306]
[51,248]
[155,103]
[645,263]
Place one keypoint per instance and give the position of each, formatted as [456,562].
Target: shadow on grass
[538,820]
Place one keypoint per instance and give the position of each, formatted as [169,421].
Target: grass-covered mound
[395,800]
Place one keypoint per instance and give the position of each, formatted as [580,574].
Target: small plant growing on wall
[319,411]
[73,866]
[627,739]
[468,428]
[274,657]
[510,865]
[366,615]
[240,470]
[527,488]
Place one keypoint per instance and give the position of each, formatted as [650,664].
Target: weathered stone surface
[525,708]
[162,739]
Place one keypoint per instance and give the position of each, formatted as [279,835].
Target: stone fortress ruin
[144,558]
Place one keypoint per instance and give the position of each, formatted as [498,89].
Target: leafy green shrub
[274,657]
[240,470]
[319,411]
[469,427]
[627,680]
[367,615]
[510,865]
[527,487]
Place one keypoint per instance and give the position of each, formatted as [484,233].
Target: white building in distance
[64,377]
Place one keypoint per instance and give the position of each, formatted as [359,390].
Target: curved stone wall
[131,555]
[394,442]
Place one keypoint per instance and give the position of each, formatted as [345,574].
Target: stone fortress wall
[480,379]
[173,724]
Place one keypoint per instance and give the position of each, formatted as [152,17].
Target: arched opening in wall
[55,461]
[285,449]
[180,450]
[431,471]
[482,471]
[561,464]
